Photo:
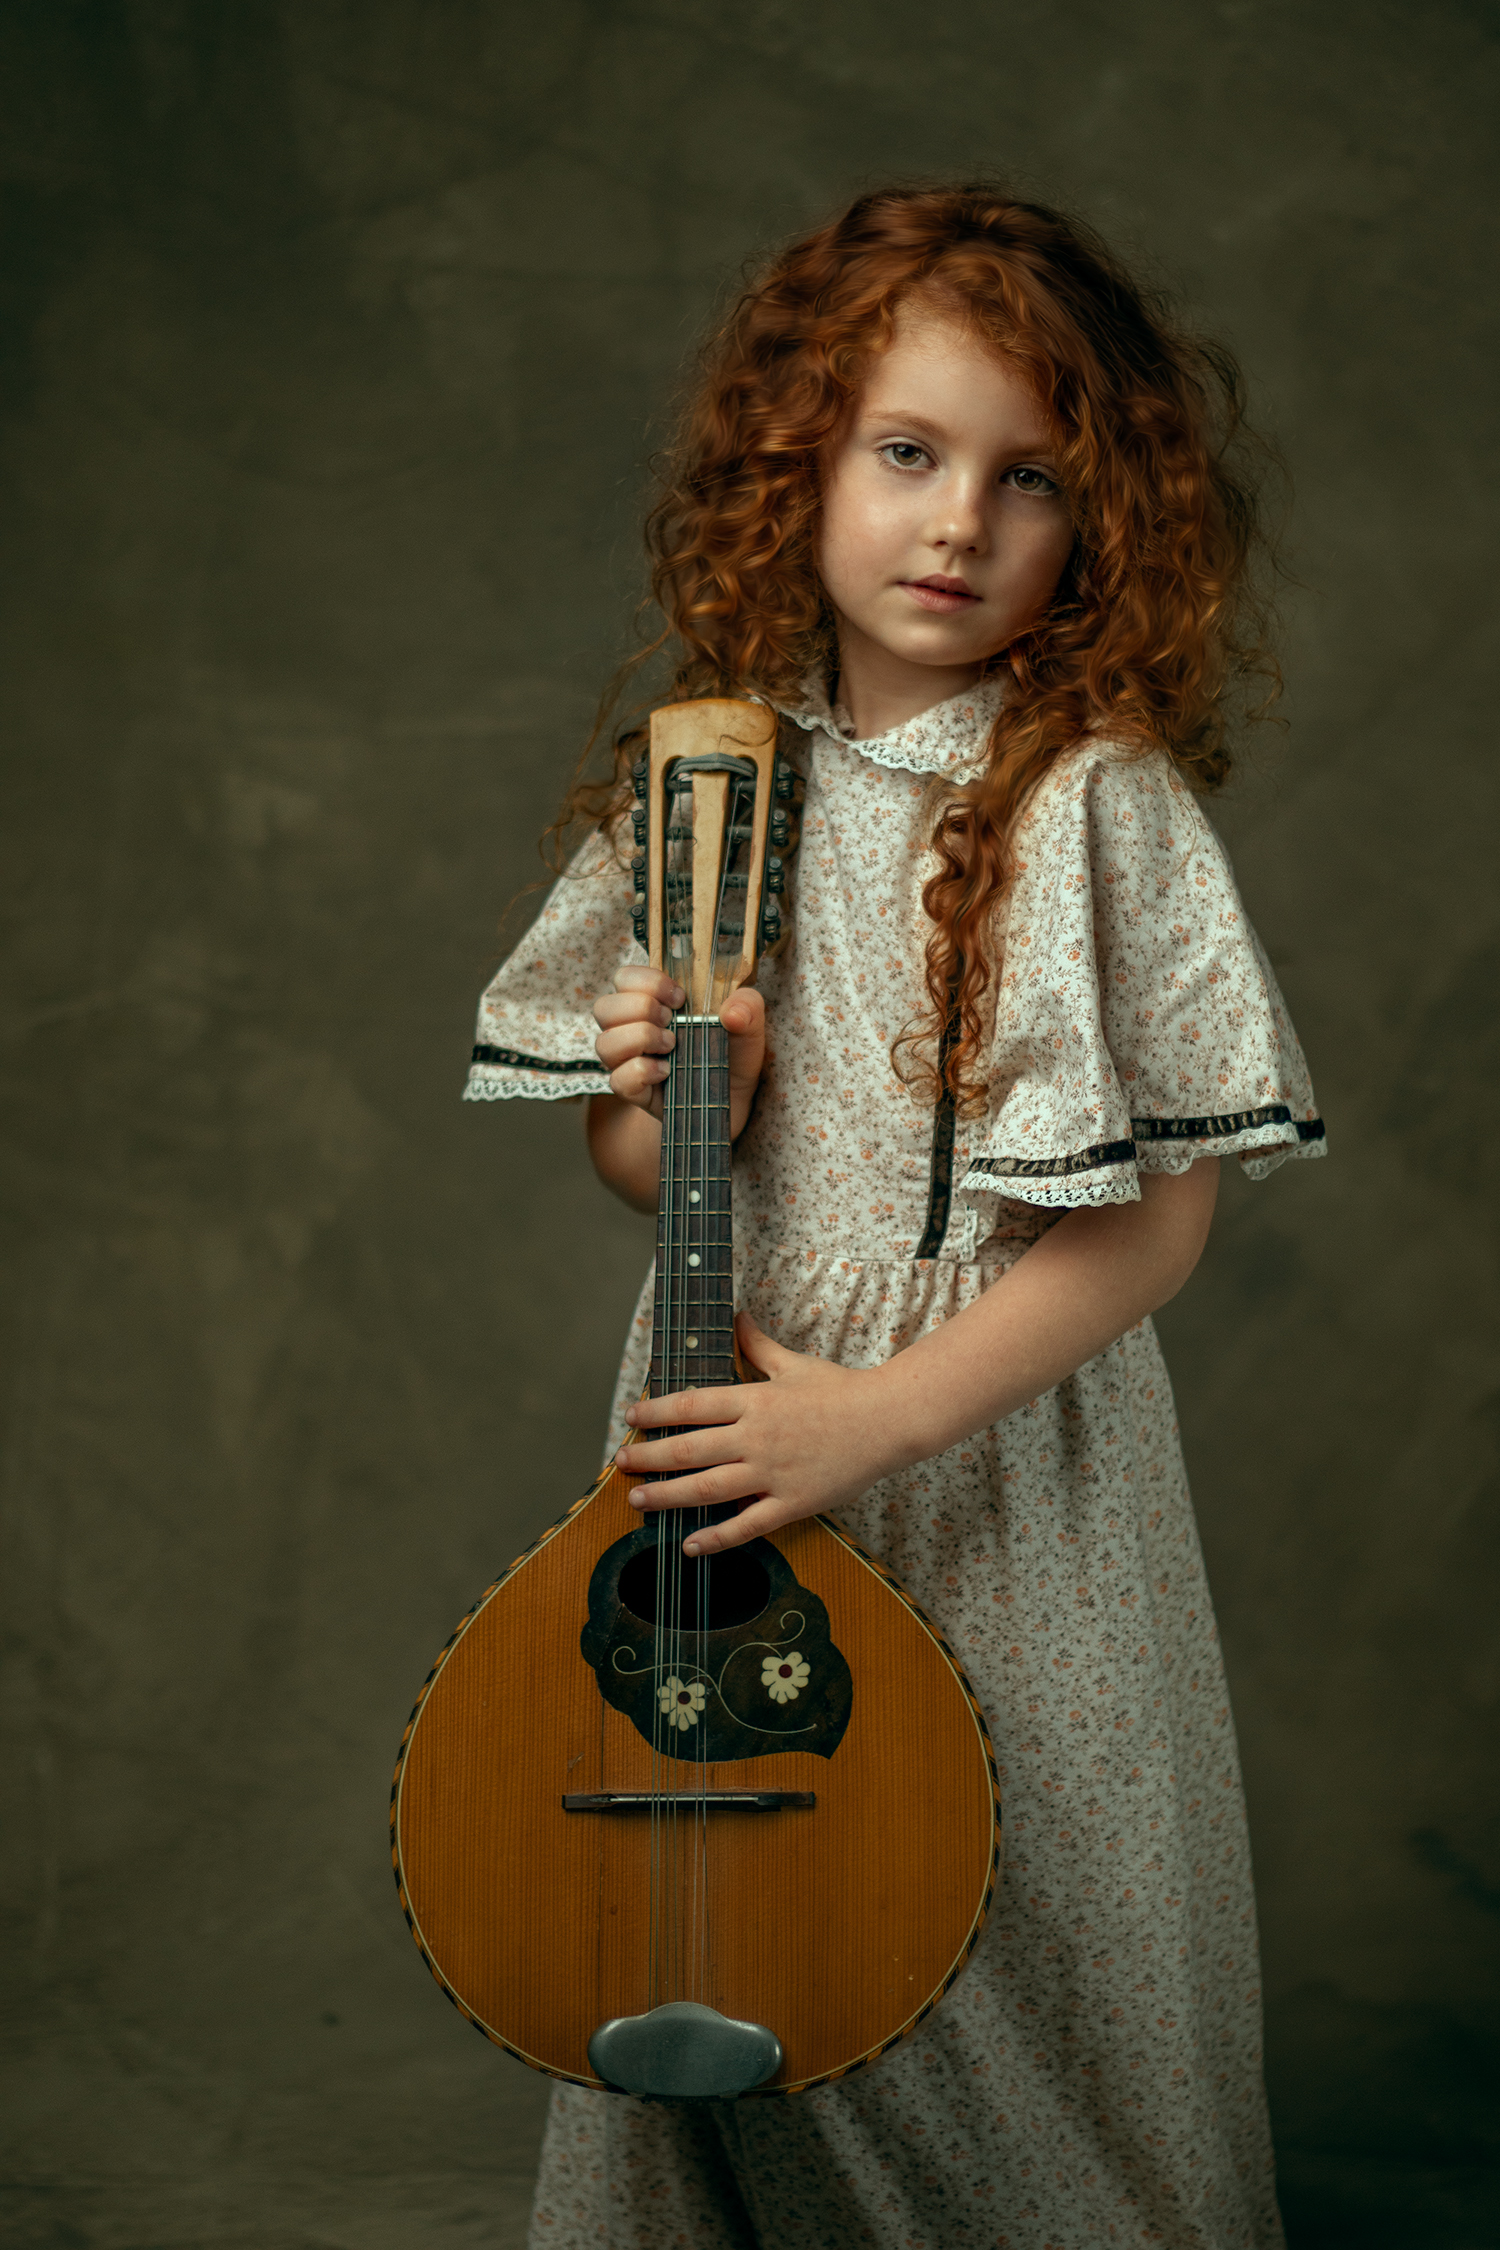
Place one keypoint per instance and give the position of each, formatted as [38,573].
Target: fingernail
[690,1547]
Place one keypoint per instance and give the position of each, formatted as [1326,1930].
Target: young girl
[955,498]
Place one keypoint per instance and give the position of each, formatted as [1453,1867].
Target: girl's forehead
[927,333]
[937,360]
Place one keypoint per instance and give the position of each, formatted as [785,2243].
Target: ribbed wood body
[838,1926]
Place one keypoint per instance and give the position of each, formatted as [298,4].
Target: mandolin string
[700,1810]
[682,1327]
[714,1193]
[673,1545]
[677,1376]
[661,1318]
[660,1724]
[717,1207]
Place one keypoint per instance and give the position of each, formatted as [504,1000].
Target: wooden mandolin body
[838,1924]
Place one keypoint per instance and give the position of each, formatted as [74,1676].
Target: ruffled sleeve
[1138,1023]
[535,1036]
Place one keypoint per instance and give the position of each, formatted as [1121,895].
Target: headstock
[713,827]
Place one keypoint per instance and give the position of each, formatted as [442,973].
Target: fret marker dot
[694,1196]
[692,1257]
[692,1343]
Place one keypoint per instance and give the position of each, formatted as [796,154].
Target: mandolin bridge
[690,1800]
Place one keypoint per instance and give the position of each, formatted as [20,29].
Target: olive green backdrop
[334,332]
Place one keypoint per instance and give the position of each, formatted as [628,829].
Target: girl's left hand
[809,1438]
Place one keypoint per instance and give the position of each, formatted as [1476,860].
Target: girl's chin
[934,641]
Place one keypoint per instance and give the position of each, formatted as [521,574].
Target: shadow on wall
[1395,2139]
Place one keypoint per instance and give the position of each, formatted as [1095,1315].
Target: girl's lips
[940,598]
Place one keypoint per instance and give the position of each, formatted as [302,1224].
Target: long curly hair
[1158,617]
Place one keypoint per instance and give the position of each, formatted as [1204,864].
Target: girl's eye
[1032,481]
[903,454]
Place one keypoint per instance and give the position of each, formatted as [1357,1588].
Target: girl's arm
[815,1435]
[625,1148]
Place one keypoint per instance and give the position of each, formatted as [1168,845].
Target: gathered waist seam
[986,1254]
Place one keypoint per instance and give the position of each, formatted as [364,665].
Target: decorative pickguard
[764,1676]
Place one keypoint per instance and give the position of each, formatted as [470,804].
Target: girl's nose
[959,523]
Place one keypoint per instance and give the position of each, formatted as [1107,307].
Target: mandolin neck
[692,1338]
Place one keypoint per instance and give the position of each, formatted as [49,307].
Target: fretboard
[692,1339]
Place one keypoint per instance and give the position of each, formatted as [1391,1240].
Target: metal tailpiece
[683,2051]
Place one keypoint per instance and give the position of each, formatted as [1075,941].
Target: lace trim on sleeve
[1106,1173]
[1230,1125]
[1261,1139]
[530,1077]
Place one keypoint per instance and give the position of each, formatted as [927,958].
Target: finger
[695,1449]
[640,1083]
[628,1040]
[755,1522]
[744,1012]
[710,1488]
[725,1403]
[636,976]
[762,1350]
[613,1008]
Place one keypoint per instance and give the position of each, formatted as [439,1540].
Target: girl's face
[944,530]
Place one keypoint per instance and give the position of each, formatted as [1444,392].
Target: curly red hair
[1156,617]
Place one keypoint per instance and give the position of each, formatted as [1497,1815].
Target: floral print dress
[1094,2075]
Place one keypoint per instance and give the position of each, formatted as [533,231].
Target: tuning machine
[638,878]
[783,836]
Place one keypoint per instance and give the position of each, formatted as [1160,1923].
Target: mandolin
[683,1828]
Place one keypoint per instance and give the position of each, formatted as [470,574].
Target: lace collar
[950,739]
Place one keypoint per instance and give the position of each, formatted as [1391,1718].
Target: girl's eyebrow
[907,421]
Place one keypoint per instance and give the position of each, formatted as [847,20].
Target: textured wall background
[332,334]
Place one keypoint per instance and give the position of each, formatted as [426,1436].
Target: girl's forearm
[1089,1279]
[625,1148]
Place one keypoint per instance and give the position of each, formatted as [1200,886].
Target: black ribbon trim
[1056,1167]
[1216,1128]
[1148,1129]
[940,1179]
[513,1061]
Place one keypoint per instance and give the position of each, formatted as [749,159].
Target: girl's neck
[880,691]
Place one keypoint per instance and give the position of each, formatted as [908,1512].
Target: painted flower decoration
[682,1700]
[784,1676]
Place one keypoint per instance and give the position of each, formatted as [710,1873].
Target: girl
[955,497]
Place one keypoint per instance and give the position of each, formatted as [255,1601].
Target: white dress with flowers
[1094,2075]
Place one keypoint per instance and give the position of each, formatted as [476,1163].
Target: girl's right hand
[635,1038]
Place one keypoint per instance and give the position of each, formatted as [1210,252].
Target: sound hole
[738,1587]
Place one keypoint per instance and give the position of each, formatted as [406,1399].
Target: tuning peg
[786,780]
[638,924]
[775,876]
[770,923]
[638,773]
[640,821]
[638,870]
[781,829]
